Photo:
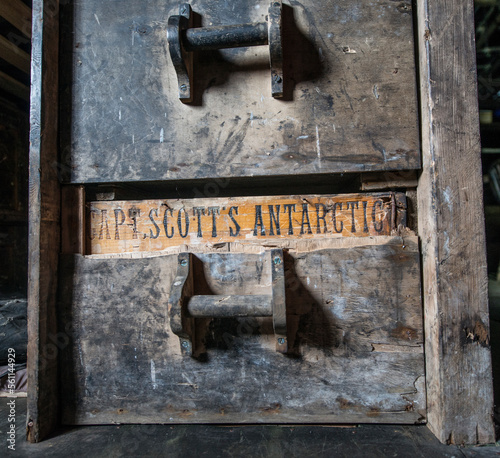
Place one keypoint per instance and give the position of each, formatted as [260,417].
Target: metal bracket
[185,307]
[183,40]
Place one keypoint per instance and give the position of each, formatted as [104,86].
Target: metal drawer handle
[183,40]
[184,306]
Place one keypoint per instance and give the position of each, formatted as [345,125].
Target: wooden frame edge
[44,222]
[451,227]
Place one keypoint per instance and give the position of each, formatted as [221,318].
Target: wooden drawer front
[354,331]
[349,105]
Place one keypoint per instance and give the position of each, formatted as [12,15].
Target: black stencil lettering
[198,211]
[321,218]
[289,208]
[165,223]
[365,205]
[157,229]
[378,227]
[258,221]
[133,214]
[214,211]
[93,216]
[118,211]
[305,220]
[354,206]
[335,205]
[236,225]
[274,218]
[104,225]
[179,223]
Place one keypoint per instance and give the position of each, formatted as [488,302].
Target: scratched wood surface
[154,225]
[451,225]
[44,230]
[350,102]
[354,331]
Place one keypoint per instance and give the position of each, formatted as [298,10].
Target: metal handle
[184,306]
[183,40]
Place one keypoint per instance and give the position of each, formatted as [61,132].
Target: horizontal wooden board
[350,93]
[354,331]
[154,225]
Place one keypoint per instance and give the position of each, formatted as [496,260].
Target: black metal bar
[228,36]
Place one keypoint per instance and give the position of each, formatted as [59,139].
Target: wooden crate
[354,112]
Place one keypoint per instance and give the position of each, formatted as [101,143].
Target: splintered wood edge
[408,242]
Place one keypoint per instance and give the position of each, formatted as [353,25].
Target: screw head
[281,341]
[277,260]
[277,79]
[185,344]
[183,88]
[183,262]
[183,10]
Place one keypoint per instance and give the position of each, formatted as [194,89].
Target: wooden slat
[14,87]
[154,225]
[73,219]
[18,14]
[388,180]
[44,224]
[451,226]
[14,55]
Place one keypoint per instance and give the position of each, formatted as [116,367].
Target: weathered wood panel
[451,225]
[350,102]
[44,230]
[354,332]
[154,225]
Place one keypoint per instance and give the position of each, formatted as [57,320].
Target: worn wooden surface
[350,102]
[18,14]
[354,335]
[44,239]
[73,219]
[451,226]
[154,225]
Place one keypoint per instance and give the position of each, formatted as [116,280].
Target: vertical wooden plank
[73,220]
[44,219]
[451,225]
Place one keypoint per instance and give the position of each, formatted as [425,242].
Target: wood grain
[18,14]
[124,365]
[14,87]
[14,55]
[349,105]
[44,219]
[451,226]
[73,219]
[155,225]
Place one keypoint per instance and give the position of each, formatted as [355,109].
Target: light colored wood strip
[398,348]
[155,225]
[14,55]
[451,226]
[18,14]
[14,87]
